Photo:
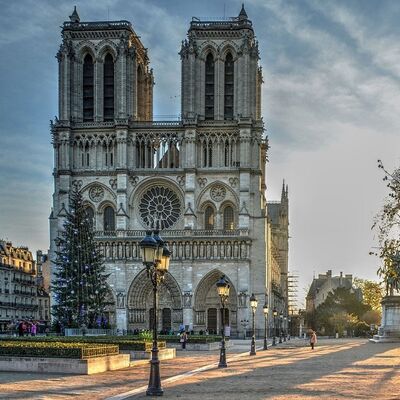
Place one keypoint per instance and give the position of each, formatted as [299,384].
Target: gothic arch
[104,47]
[230,195]
[141,288]
[209,47]
[109,195]
[208,282]
[227,47]
[84,48]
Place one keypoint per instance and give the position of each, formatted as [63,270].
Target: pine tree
[80,288]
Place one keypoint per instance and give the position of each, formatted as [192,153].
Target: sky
[331,107]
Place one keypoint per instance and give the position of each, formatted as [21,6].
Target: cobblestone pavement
[336,369]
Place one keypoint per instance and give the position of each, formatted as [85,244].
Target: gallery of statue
[200,179]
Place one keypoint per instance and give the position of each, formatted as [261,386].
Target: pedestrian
[21,329]
[313,339]
[33,329]
[183,339]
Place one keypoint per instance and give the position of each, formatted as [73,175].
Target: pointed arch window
[209,88]
[228,89]
[108,85]
[229,220]
[109,219]
[209,219]
[140,94]
[90,215]
[88,88]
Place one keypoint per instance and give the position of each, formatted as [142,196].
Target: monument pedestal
[389,331]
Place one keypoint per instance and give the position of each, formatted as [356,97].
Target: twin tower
[201,179]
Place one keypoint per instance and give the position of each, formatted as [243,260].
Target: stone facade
[20,294]
[201,179]
[325,284]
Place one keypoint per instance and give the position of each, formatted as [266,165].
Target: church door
[212,320]
[166,319]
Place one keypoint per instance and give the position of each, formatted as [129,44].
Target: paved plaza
[336,369]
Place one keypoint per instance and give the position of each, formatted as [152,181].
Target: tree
[342,301]
[372,292]
[387,224]
[80,288]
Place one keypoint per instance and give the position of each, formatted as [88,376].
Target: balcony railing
[177,233]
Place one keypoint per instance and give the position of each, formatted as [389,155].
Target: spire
[283,190]
[74,17]
[243,14]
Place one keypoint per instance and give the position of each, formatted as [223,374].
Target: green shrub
[25,348]
[123,342]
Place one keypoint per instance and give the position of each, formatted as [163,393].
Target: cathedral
[201,179]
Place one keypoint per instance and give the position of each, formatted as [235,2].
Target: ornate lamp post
[289,327]
[274,313]
[253,305]
[223,292]
[155,257]
[280,326]
[265,310]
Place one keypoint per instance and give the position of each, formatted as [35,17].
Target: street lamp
[289,327]
[223,288]
[274,313]
[284,328]
[280,326]
[265,310]
[155,257]
[253,305]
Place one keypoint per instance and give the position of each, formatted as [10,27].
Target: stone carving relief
[181,180]
[233,182]
[134,180]
[113,183]
[77,184]
[96,193]
[202,182]
[242,299]
[187,299]
[218,193]
[120,300]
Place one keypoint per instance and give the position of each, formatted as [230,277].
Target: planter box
[64,365]
[201,346]
[163,354]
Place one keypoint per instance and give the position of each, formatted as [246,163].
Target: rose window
[159,208]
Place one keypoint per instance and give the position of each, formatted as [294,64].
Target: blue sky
[331,104]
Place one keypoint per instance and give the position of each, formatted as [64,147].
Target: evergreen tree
[80,288]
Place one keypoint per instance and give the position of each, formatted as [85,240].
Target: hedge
[81,351]
[122,342]
[192,338]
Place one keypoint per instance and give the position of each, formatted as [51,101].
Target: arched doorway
[140,304]
[207,305]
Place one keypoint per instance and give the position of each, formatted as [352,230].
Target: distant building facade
[18,288]
[278,245]
[325,284]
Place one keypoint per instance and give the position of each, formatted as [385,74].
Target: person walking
[183,340]
[313,339]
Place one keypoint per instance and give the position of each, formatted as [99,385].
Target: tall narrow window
[90,215]
[140,100]
[228,92]
[209,89]
[108,88]
[209,218]
[109,219]
[228,218]
[88,88]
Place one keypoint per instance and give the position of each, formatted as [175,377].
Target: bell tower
[221,79]
[104,72]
